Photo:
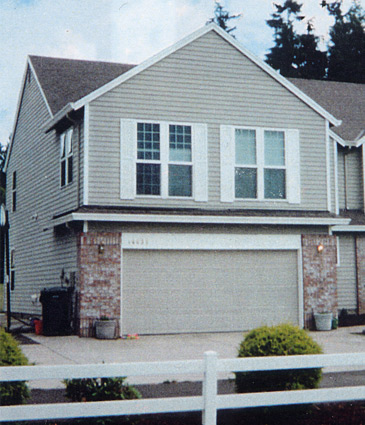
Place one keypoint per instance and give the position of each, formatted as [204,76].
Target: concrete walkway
[75,350]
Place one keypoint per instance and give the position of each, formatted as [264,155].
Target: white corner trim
[300,287]
[335,170]
[328,167]
[86,154]
[199,241]
[192,37]
[190,219]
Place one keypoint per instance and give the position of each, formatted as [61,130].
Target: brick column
[360,265]
[319,276]
[99,256]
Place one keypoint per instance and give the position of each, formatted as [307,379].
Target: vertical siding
[346,273]
[354,180]
[40,254]
[351,196]
[210,82]
[341,178]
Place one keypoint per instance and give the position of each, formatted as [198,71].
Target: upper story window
[259,164]
[13,192]
[66,157]
[169,160]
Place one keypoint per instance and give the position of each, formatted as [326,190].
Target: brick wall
[319,276]
[99,256]
[360,265]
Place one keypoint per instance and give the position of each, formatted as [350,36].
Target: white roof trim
[34,74]
[347,143]
[355,228]
[166,218]
[190,38]
[337,138]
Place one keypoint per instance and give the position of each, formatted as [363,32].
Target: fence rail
[208,403]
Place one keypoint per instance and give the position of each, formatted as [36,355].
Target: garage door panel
[201,291]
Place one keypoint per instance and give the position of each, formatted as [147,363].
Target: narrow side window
[66,157]
[13,194]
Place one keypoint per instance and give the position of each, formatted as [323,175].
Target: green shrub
[11,355]
[101,389]
[281,340]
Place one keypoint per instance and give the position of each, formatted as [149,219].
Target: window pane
[274,148]
[63,172]
[63,145]
[180,180]
[245,147]
[246,183]
[148,141]
[69,141]
[274,181]
[148,179]
[180,142]
[69,170]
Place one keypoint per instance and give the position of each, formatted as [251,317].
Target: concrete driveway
[75,350]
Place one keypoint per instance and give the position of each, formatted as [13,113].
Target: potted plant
[323,321]
[105,328]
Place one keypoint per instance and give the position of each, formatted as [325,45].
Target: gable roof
[68,85]
[67,80]
[135,70]
[343,100]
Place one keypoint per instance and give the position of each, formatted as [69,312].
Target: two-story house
[198,191]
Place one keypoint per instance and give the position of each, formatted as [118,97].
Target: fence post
[210,386]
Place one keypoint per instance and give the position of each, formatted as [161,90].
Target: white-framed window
[13,192]
[259,164]
[66,157]
[163,159]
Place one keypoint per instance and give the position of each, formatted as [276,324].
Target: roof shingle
[68,80]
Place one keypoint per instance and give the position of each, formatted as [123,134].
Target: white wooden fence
[208,403]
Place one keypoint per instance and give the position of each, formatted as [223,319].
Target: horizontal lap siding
[210,82]
[40,255]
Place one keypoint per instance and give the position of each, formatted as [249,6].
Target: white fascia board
[192,219]
[354,228]
[20,97]
[187,40]
[337,138]
[39,86]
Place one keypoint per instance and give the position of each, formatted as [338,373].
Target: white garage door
[173,291]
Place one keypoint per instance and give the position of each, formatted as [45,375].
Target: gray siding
[40,254]
[209,82]
[346,273]
[350,186]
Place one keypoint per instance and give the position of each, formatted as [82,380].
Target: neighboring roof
[343,100]
[68,80]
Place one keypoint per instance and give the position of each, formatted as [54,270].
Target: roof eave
[57,118]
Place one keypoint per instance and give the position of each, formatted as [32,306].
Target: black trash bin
[56,311]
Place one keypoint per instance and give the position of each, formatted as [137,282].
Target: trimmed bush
[281,340]
[101,389]
[11,355]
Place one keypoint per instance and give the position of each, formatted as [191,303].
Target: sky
[127,31]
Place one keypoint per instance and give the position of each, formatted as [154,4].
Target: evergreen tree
[282,56]
[294,55]
[346,53]
[310,61]
[222,17]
